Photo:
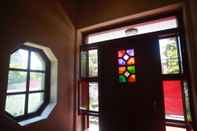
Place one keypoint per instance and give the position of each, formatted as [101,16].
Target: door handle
[155,105]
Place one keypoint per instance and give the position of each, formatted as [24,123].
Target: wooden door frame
[174,9]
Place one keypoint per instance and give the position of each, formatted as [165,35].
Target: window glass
[169,56]
[187,102]
[37,81]
[93,63]
[84,95]
[26,82]
[132,30]
[171,128]
[93,96]
[35,101]
[83,64]
[173,101]
[15,105]
[16,81]
[93,123]
[37,62]
[19,59]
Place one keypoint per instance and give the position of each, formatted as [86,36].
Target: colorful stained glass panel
[126,66]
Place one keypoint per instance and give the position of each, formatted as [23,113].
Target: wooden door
[131,98]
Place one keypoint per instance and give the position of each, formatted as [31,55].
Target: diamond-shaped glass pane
[126,57]
[126,74]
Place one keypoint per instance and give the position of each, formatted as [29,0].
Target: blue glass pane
[130,52]
[121,62]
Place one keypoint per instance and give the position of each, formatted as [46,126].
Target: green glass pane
[122,79]
[131,69]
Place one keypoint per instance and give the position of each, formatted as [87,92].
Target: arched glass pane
[17,81]
[19,59]
[15,105]
[35,101]
[37,62]
[37,81]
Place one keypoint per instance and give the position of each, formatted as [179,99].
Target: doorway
[136,78]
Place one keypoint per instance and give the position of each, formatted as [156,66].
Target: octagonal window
[28,83]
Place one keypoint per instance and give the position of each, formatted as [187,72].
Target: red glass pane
[121,53]
[173,99]
[132,78]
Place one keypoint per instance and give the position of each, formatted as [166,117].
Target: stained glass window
[126,66]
